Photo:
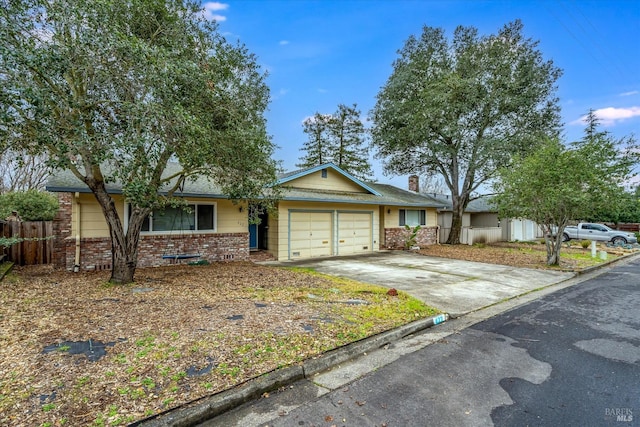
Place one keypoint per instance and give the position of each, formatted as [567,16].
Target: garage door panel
[355,233]
[310,234]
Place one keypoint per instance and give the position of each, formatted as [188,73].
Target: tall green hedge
[31,205]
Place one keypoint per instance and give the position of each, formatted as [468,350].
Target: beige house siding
[88,219]
[281,234]
[229,218]
[272,235]
[88,213]
[392,216]
[81,216]
[333,182]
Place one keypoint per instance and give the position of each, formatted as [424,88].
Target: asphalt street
[570,358]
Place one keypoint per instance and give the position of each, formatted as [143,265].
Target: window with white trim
[413,217]
[198,217]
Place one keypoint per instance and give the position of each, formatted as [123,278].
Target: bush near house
[31,205]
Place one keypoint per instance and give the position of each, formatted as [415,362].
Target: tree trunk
[124,247]
[123,266]
[456,220]
[553,245]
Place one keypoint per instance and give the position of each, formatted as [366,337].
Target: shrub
[411,236]
[480,240]
[585,243]
[31,205]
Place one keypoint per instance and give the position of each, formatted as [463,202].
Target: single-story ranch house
[323,211]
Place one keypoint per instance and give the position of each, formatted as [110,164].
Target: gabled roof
[373,194]
[290,176]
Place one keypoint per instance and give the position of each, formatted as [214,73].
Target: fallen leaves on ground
[178,334]
[522,254]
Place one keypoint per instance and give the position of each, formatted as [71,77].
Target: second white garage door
[310,234]
[354,232]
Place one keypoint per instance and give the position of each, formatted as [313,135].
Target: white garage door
[354,233]
[310,234]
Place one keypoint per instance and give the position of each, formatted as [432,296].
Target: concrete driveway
[453,286]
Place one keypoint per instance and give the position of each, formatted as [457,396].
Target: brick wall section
[95,253]
[62,230]
[396,237]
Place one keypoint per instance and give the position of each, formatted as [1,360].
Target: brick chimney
[414,183]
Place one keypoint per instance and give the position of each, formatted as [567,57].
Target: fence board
[38,246]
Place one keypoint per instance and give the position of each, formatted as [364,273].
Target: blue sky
[323,53]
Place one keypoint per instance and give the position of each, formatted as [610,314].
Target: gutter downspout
[76,263]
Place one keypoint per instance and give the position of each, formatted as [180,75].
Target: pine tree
[338,138]
[348,135]
[318,147]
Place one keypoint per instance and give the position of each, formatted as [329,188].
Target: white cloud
[312,119]
[321,90]
[610,115]
[630,93]
[213,6]
[283,42]
[282,92]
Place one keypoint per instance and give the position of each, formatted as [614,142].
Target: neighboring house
[480,222]
[323,211]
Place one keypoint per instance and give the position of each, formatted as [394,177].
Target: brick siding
[395,237]
[62,230]
[95,253]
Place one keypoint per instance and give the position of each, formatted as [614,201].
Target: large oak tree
[113,90]
[462,109]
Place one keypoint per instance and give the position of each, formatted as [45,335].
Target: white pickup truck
[590,231]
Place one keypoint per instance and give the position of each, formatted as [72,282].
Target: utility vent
[101,267]
[227,257]
[365,248]
[295,253]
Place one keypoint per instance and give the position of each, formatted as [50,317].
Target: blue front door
[253,236]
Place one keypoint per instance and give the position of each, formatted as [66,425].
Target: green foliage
[411,236]
[557,184]
[31,205]
[9,241]
[114,90]
[623,207]
[585,243]
[463,108]
[337,138]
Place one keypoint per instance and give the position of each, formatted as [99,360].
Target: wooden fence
[632,227]
[37,246]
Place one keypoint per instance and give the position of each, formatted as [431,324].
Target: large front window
[197,217]
[413,217]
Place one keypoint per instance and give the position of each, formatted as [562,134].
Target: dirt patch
[75,350]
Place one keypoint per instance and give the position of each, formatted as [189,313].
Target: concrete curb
[211,406]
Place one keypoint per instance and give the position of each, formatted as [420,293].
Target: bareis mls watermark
[619,414]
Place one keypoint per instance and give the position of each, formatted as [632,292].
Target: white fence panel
[481,235]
